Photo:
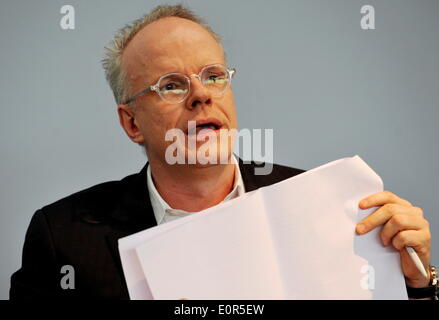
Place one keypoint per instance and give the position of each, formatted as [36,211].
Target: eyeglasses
[175,87]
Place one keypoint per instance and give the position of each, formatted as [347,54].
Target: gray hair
[112,63]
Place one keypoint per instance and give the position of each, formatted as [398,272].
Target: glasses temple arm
[133,97]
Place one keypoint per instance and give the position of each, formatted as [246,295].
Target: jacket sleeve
[38,276]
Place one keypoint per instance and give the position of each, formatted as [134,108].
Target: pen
[415,258]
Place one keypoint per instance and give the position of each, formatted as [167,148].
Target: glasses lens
[216,78]
[174,88]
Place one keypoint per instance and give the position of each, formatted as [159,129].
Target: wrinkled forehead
[170,45]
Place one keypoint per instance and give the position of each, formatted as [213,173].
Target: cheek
[229,108]
[154,124]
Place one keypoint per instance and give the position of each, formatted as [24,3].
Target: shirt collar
[164,213]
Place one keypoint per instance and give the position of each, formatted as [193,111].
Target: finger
[381,198]
[383,214]
[417,239]
[401,222]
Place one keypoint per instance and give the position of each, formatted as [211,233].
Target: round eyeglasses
[175,87]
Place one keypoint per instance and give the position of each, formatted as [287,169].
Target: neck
[192,188]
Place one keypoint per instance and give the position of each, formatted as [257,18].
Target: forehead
[169,45]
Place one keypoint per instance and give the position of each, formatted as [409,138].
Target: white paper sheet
[292,240]
[137,285]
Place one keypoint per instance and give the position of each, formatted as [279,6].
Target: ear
[127,119]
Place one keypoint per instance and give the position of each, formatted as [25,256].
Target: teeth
[198,128]
[201,127]
[205,127]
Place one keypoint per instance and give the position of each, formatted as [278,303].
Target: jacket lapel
[132,214]
[251,181]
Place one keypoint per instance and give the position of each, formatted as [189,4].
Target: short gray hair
[112,62]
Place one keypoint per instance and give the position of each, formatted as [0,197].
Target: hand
[403,225]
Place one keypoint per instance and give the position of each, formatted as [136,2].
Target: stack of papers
[292,240]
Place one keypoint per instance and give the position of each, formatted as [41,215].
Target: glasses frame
[155,87]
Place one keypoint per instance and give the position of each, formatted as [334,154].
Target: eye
[168,86]
[215,78]
[173,87]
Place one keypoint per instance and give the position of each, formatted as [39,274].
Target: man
[167,69]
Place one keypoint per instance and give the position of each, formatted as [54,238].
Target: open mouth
[209,125]
[195,127]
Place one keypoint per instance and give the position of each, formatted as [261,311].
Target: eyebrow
[198,70]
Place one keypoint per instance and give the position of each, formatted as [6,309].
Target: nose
[199,95]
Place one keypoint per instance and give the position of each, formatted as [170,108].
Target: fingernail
[361,228]
[363,203]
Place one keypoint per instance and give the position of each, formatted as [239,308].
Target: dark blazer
[82,230]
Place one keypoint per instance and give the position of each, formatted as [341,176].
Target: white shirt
[164,213]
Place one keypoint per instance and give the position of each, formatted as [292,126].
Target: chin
[208,157]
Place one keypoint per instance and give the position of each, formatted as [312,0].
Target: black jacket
[82,230]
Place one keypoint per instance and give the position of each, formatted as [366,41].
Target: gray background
[305,68]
